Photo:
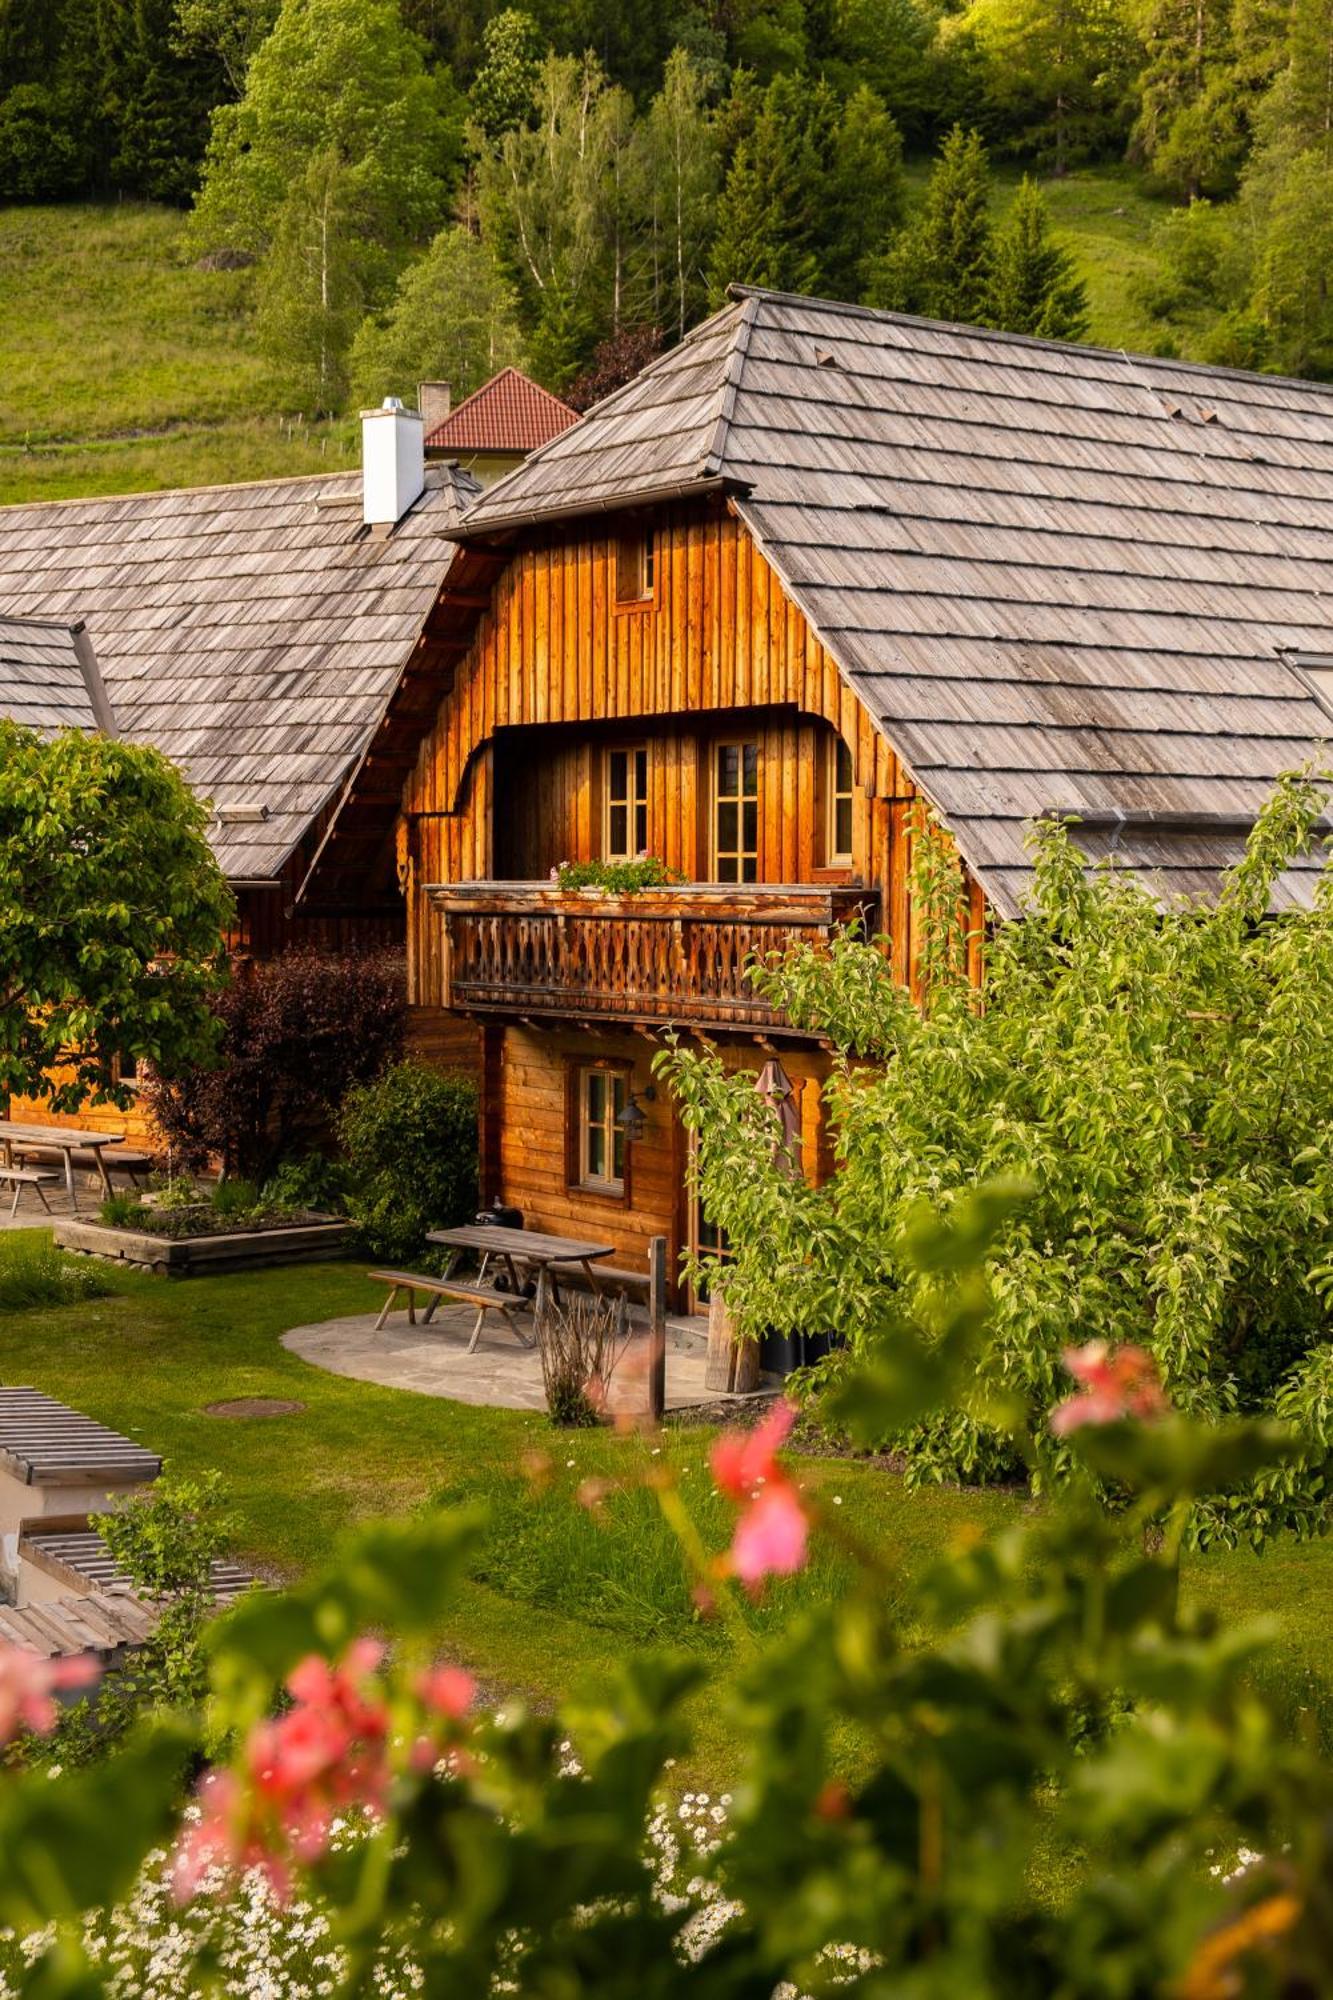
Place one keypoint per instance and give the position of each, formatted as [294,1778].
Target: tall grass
[34,1273]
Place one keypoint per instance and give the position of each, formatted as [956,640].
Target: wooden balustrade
[660,955]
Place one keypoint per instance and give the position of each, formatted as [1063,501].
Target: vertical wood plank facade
[510,781]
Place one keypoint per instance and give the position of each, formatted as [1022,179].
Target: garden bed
[302,1240]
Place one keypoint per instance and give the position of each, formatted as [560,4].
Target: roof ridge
[159,492]
[882,315]
[484,388]
[711,463]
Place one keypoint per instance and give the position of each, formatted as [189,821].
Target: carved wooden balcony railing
[661,955]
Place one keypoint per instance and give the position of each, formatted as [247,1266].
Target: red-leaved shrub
[298,1031]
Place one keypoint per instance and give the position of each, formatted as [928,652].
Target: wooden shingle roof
[1060,578]
[254,633]
[49,678]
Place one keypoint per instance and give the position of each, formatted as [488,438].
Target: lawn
[558,1594]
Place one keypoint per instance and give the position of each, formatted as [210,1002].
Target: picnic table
[531,1249]
[66,1139]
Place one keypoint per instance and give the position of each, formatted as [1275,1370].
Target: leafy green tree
[1190,128]
[313,291]
[341,80]
[891,47]
[41,155]
[1057,73]
[112,914]
[503,89]
[1034,284]
[1289,203]
[333,165]
[1162,1078]
[941,264]
[679,172]
[230,29]
[452,319]
[546,207]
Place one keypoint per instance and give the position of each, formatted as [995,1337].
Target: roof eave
[617,503]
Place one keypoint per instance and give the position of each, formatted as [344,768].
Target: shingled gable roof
[511,412]
[252,632]
[49,679]
[1060,578]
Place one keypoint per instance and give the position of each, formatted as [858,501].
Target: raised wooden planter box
[188,1257]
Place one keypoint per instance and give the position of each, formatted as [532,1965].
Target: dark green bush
[410,1139]
[310,1184]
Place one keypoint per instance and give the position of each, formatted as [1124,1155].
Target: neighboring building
[254,633]
[49,677]
[813,565]
[493,430]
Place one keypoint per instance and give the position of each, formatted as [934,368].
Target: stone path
[501,1374]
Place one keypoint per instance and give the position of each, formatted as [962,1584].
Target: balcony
[659,956]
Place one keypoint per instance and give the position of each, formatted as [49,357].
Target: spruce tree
[941,266]
[1034,285]
[814,188]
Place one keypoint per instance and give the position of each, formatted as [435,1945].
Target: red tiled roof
[508,413]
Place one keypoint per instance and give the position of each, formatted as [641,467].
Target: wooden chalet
[813,564]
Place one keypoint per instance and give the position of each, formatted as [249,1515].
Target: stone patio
[501,1374]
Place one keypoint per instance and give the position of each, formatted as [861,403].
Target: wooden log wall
[529,1070]
[554,648]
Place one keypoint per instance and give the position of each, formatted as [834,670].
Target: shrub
[580,1342]
[410,1139]
[34,1273]
[311,1184]
[297,1031]
[1163,1079]
[234,1200]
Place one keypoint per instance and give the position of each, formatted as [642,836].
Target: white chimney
[433,401]
[393,462]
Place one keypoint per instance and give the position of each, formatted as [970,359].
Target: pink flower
[773,1532]
[449,1691]
[744,1460]
[1116,1386]
[28,1683]
[328,1752]
[771,1536]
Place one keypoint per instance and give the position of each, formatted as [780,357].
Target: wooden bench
[484,1297]
[610,1282]
[34,1177]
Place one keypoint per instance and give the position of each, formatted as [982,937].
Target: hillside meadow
[124,367]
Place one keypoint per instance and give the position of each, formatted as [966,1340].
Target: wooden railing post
[657,1277]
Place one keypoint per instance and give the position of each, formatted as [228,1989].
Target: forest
[432,188]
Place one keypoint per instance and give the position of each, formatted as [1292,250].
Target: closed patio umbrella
[778,1092]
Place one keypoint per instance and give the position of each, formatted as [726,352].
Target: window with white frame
[840,793]
[625,817]
[600,1099]
[736,812]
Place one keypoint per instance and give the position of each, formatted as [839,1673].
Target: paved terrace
[501,1374]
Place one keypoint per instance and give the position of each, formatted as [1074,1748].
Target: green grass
[124,367]
[1104,217]
[558,1594]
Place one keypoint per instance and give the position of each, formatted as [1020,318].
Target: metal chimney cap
[393,403]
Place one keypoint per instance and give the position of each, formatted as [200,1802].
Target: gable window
[841,799]
[736,812]
[636,568]
[600,1096]
[625,820]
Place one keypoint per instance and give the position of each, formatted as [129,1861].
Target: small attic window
[636,567]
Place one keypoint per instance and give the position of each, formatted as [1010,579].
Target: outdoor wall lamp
[631,1120]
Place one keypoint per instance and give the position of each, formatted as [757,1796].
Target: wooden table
[527,1247]
[66,1139]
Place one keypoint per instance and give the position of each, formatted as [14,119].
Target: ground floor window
[599,1100]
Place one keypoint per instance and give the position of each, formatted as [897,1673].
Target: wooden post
[657,1278]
